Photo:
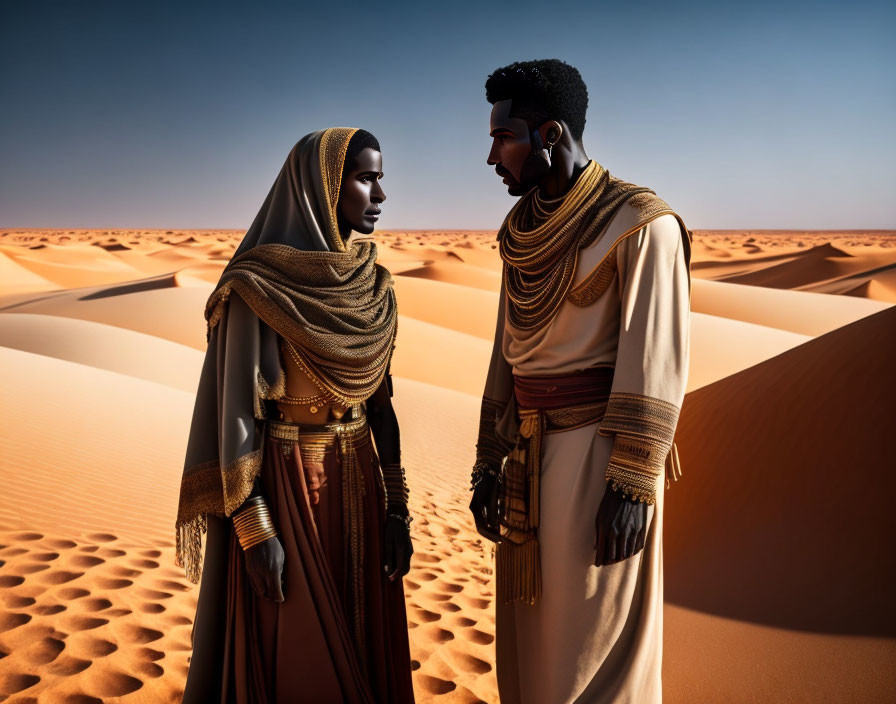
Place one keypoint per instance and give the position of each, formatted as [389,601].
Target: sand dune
[156,306]
[778,560]
[786,491]
[105,347]
[470,310]
[442,357]
[797,311]
[457,273]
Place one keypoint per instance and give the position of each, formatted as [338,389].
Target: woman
[307,533]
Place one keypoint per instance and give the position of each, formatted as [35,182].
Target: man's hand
[264,563]
[621,527]
[398,548]
[484,506]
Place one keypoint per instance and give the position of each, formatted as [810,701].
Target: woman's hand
[398,548]
[264,563]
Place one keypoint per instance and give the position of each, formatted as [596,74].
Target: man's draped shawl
[293,276]
[539,243]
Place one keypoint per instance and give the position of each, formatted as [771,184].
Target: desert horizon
[782,438]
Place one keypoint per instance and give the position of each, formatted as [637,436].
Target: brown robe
[250,650]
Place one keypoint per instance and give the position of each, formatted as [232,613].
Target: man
[580,406]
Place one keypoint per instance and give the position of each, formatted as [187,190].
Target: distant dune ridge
[779,559]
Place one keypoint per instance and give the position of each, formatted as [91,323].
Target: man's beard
[534,168]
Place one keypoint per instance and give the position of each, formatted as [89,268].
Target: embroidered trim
[596,283]
[644,427]
[637,415]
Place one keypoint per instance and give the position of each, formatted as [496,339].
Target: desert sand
[779,558]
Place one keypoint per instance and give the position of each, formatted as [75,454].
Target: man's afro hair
[548,89]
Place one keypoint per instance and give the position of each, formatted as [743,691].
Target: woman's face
[360,194]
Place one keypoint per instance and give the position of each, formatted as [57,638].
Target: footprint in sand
[154,594]
[427,616]
[11,580]
[10,620]
[102,537]
[435,685]
[473,664]
[16,682]
[150,669]
[113,552]
[18,602]
[45,556]
[66,665]
[89,548]
[87,561]
[115,613]
[480,637]
[110,583]
[14,552]
[22,537]
[45,651]
[49,609]
[96,604]
[85,623]
[144,563]
[33,567]
[59,544]
[151,553]
[169,584]
[97,647]
[59,576]
[150,608]
[141,634]
[106,682]
[150,654]
[120,571]
[71,593]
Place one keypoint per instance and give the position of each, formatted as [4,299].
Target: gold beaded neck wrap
[540,241]
[292,277]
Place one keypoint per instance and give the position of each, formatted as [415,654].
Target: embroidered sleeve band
[644,428]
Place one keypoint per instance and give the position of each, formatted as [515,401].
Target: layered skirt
[341,634]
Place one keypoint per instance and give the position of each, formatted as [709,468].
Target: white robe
[595,634]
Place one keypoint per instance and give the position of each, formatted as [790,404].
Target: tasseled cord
[520,570]
[188,549]
[673,466]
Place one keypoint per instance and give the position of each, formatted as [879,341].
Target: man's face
[511,146]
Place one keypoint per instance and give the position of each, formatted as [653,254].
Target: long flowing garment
[340,635]
[594,634]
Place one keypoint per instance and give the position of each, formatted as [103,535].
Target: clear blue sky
[741,115]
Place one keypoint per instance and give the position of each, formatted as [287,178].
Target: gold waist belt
[320,436]
[517,555]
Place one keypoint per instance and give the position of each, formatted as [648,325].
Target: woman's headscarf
[294,277]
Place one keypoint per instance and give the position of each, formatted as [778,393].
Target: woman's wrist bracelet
[253,524]
[404,519]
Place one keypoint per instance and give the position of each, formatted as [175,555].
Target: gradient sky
[179,115]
